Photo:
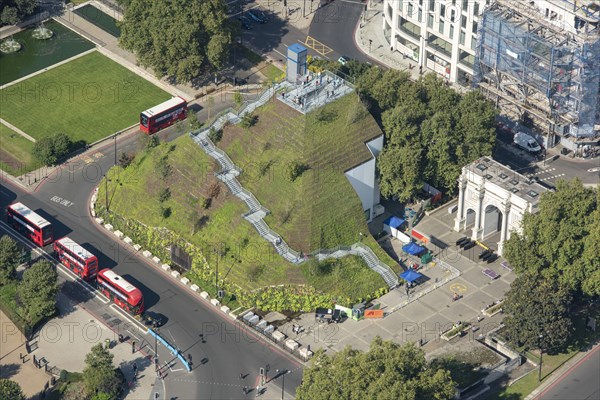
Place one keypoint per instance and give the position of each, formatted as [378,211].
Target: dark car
[154,319]
[328,315]
[257,16]
[245,22]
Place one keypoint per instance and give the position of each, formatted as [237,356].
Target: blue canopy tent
[393,226]
[410,275]
[413,248]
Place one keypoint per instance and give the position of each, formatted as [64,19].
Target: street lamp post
[156,348]
[541,352]
[106,191]
[115,150]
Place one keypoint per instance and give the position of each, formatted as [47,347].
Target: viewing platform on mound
[312,91]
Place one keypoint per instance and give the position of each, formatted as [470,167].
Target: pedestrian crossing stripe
[87,160]
[98,155]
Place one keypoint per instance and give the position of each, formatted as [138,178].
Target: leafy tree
[238,99]
[36,294]
[163,167]
[153,141]
[99,375]
[215,134]
[294,169]
[560,240]
[10,390]
[387,371]
[14,11]
[248,120]
[194,124]
[10,256]
[179,39]
[400,168]
[9,16]
[49,149]
[125,159]
[537,305]
[164,195]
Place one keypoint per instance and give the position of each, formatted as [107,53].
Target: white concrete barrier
[185,281]
[254,320]
[225,309]
[195,287]
[262,324]
[108,227]
[292,344]
[156,259]
[93,212]
[146,254]
[305,353]
[166,267]
[99,221]
[278,336]
[269,329]
[215,302]
[119,234]
[247,316]
[204,295]
[233,315]
[128,240]
[137,247]
[175,274]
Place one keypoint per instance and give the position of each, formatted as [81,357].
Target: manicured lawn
[348,279]
[271,72]
[88,98]
[15,152]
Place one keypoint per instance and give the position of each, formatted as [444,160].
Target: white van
[527,142]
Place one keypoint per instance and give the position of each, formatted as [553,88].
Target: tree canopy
[10,256]
[99,375]
[431,130]
[562,240]
[178,39]
[10,390]
[536,306]
[387,371]
[14,11]
[36,294]
[49,149]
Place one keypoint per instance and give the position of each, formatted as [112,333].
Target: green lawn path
[15,152]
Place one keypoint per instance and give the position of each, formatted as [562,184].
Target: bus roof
[175,101]
[117,280]
[75,247]
[31,216]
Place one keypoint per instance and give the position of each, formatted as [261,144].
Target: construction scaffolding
[526,64]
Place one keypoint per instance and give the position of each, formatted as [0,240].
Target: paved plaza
[427,317]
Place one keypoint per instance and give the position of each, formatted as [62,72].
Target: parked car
[245,22]
[328,315]
[258,16]
[343,60]
[527,143]
[255,16]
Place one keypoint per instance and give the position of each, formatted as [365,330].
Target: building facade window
[451,34]
[430,20]
[463,21]
[461,38]
[441,26]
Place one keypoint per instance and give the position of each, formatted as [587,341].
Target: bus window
[144,120]
[46,233]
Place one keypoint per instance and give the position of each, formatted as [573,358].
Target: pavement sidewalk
[22,371]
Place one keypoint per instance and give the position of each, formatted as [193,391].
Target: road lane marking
[61,201]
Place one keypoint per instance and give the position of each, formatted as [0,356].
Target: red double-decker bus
[123,293]
[29,224]
[163,115]
[76,258]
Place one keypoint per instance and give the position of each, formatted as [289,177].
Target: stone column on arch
[504,231]
[479,211]
[460,213]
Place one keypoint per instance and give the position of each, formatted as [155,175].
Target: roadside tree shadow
[9,370]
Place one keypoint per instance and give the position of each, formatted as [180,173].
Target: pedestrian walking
[241,376]
[245,390]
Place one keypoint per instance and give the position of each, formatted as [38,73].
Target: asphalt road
[580,383]
[229,349]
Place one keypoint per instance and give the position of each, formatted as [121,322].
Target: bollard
[35,361]
[133,347]
[53,381]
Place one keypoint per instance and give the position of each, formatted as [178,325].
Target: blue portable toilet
[296,62]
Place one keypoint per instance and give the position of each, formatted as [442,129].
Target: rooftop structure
[493,198]
[543,58]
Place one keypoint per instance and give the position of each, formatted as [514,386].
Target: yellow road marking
[98,155]
[317,46]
